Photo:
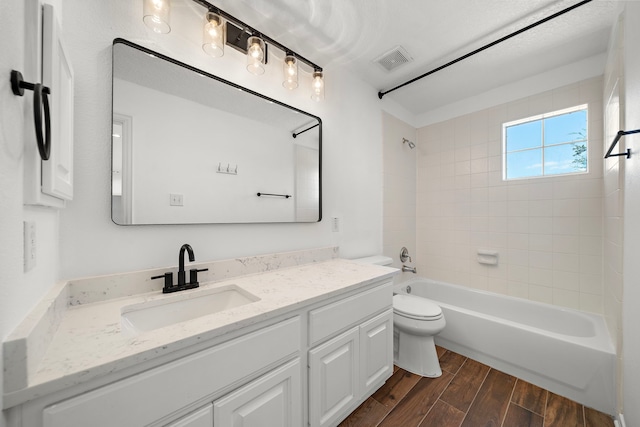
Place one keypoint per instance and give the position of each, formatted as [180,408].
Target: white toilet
[416,321]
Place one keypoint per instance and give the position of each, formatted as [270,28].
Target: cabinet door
[333,378]
[57,172]
[376,351]
[272,400]
[202,417]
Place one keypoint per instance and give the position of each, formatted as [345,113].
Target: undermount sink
[151,315]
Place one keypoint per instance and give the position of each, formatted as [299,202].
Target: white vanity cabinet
[273,399]
[309,366]
[348,368]
[148,397]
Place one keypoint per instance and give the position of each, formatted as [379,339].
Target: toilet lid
[416,307]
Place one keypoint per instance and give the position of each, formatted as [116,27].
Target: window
[550,144]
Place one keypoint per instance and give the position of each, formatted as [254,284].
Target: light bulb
[156,15]
[255,55]
[317,86]
[213,38]
[290,72]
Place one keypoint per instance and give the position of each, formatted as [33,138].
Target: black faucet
[181,275]
[182,285]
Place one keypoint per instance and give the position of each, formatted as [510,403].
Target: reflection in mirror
[189,148]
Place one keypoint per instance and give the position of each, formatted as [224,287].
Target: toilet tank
[376,259]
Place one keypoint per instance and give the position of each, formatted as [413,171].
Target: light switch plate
[29,245]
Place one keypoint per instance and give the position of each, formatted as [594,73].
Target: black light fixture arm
[487,46]
[244,28]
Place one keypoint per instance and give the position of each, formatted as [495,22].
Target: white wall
[20,291]
[631,314]
[81,240]
[352,154]
[613,196]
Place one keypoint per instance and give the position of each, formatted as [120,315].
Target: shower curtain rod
[487,46]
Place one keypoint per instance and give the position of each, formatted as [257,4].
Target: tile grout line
[397,403]
[476,395]
[509,401]
[439,396]
[546,402]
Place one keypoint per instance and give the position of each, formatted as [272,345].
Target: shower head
[409,143]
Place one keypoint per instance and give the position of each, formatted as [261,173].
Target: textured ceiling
[352,33]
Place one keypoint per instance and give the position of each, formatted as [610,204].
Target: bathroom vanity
[295,346]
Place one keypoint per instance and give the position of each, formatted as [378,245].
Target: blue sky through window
[550,144]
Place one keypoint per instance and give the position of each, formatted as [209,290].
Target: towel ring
[40,102]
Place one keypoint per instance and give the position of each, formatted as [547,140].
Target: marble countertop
[89,341]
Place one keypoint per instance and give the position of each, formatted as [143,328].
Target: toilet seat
[416,307]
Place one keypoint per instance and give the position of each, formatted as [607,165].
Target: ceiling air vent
[394,58]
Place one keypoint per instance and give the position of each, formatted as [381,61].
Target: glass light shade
[317,86]
[156,15]
[255,55]
[213,35]
[290,69]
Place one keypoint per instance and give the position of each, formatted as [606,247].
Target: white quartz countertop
[90,343]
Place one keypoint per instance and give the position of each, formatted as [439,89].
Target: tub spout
[410,269]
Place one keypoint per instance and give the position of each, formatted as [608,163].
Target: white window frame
[533,119]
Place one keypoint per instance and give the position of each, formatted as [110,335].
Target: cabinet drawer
[203,417]
[149,396]
[326,321]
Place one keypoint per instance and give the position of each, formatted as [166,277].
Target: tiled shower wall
[399,209]
[547,231]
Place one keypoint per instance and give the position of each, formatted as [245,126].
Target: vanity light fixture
[156,15]
[213,36]
[221,28]
[317,85]
[256,55]
[290,69]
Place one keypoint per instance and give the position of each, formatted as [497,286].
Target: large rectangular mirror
[191,148]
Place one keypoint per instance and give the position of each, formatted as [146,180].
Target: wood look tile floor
[469,394]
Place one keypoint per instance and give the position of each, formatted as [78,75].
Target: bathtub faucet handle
[404,255]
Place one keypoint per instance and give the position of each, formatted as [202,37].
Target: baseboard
[620,421]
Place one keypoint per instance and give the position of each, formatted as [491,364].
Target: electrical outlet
[29,245]
[175,200]
[335,224]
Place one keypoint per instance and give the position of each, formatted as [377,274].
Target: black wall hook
[40,102]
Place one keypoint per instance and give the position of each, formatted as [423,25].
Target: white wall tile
[566,244]
[566,207]
[566,225]
[541,293]
[548,231]
[566,262]
[541,276]
[541,260]
[540,225]
[540,242]
[566,298]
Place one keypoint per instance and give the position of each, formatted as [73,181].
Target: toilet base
[417,354]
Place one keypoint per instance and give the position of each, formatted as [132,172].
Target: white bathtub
[566,351]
